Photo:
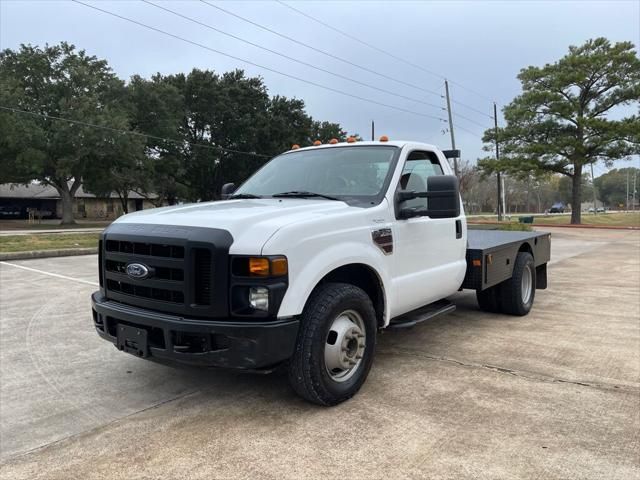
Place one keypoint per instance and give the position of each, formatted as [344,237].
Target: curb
[66,252]
[549,225]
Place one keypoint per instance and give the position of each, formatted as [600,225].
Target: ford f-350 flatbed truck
[304,263]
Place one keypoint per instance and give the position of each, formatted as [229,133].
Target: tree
[565,190]
[562,120]
[613,185]
[156,108]
[62,82]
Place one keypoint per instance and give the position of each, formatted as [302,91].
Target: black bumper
[174,339]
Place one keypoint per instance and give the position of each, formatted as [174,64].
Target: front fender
[306,272]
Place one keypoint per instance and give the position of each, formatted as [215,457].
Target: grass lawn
[630,219]
[625,219]
[50,225]
[41,241]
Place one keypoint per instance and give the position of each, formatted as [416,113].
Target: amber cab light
[351,140]
[295,146]
[317,142]
[333,141]
[384,138]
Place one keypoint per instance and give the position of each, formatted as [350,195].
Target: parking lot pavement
[555,394]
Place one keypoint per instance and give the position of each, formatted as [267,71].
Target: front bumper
[175,339]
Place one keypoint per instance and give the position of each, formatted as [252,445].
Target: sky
[479,46]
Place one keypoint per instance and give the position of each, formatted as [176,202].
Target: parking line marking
[56,275]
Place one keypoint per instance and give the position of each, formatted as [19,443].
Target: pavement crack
[533,376]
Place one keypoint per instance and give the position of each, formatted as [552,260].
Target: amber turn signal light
[259,267]
[279,267]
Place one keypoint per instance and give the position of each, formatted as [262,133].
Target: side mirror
[443,198]
[227,189]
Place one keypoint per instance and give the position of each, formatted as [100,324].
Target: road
[555,394]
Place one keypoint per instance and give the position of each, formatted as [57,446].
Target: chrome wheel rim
[344,346]
[526,284]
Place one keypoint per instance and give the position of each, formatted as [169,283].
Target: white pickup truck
[304,263]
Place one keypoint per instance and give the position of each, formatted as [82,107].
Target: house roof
[39,190]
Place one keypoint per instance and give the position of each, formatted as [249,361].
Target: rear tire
[335,346]
[518,292]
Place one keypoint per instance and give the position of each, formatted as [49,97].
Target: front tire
[335,345]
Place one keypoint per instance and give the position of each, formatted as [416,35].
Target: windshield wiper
[303,194]
[243,195]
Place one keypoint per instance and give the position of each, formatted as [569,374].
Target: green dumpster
[526,219]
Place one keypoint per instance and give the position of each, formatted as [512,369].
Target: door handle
[458,229]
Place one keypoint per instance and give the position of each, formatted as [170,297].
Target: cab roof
[393,143]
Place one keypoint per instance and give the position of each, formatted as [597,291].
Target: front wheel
[335,345]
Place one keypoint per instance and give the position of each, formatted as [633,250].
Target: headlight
[259,298]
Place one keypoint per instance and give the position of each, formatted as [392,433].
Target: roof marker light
[351,140]
[295,146]
[333,141]
[317,142]
[384,138]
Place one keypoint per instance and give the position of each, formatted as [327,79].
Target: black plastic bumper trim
[247,345]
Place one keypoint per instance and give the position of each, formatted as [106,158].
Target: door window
[418,167]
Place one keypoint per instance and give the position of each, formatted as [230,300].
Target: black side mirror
[443,198]
[227,189]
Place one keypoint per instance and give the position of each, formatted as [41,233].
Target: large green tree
[572,113]
[59,81]
[614,185]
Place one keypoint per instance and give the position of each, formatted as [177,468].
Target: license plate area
[132,340]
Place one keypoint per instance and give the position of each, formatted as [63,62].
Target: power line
[129,132]
[283,55]
[458,115]
[318,50]
[248,62]
[377,49]
[341,59]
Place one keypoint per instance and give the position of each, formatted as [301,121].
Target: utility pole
[593,187]
[373,130]
[627,197]
[633,204]
[495,122]
[453,138]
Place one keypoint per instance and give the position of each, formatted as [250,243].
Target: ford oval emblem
[138,271]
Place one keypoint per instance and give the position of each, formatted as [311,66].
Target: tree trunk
[576,195]
[124,201]
[67,207]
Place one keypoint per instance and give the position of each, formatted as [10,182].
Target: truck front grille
[181,278]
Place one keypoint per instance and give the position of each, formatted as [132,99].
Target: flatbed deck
[491,255]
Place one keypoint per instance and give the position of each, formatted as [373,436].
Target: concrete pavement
[555,394]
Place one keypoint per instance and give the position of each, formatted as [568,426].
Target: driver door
[427,253]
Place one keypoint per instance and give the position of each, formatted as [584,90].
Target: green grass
[25,243]
[7,225]
[625,219]
[631,219]
[513,227]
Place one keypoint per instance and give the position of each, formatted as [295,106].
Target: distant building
[17,200]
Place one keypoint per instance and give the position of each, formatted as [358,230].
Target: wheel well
[364,277]
[525,247]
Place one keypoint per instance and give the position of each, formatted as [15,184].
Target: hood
[251,222]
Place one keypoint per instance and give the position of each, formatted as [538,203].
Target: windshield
[354,172]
